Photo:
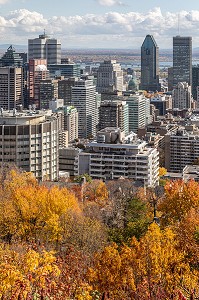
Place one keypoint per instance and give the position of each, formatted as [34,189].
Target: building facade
[181,148]
[114,114]
[182,97]
[109,77]
[139,112]
[150,65]
[37,71]
[113,156]
[182,60]
[45,47]
[48,90]
[11,87]
[84,99]
[30,141]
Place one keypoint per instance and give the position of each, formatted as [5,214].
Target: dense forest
[97,240]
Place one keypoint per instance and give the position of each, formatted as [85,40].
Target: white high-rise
[139,112]
[182,97]
[109,77]
[84,99]
[45,47]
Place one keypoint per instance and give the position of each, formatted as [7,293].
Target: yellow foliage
[162,171]
[34,211]
[18,271]
[179,198]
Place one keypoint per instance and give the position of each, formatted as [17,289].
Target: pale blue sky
[99,23]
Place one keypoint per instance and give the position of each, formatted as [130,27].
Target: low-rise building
[113,156]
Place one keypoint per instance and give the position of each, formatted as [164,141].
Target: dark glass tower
[182,60]
[150,65]
[11,58]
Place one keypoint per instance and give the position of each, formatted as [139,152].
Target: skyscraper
[139,112]
[150,65]
[182,60]
[182,98]
[37,72]
[11,58]
[114,114]
[109,77]
[11,87]
[84,99]
[45,47]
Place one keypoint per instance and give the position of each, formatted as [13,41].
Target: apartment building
[113,156]
[29,140]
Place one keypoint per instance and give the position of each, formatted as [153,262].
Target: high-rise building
[70,117]
[150,65]
[66,70]
[182,97]
[113,156]
[30,141]
[11,87]
[84,99]
[11,58]
[45,47]
[37,71]
[195,84]
[109,77]
[48,91]
[114,114]
[181,148]
[139,112]
[182,60]
[65,89]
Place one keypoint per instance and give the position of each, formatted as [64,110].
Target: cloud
[109,2]
[112,29]
[3,1]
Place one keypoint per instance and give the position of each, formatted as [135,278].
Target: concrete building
[139,112]
[182,60]
[65,89]
[182,97]
[11,87]
[109,77]
[150,65]
[45,47]
[67,160]
[114,114]
[30,141]
[37,72]
[113,156]
[181,148]
[66,70]
[70,116]
[84,99]
[48,90]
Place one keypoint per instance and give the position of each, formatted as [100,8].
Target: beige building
[11,87]
[181,148]
[29,140]
[109,77]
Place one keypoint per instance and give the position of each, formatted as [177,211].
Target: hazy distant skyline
[99,23]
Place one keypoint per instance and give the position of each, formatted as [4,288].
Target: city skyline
[98,23]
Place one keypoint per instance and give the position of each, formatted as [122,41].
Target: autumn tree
[150,268]
[179,198]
